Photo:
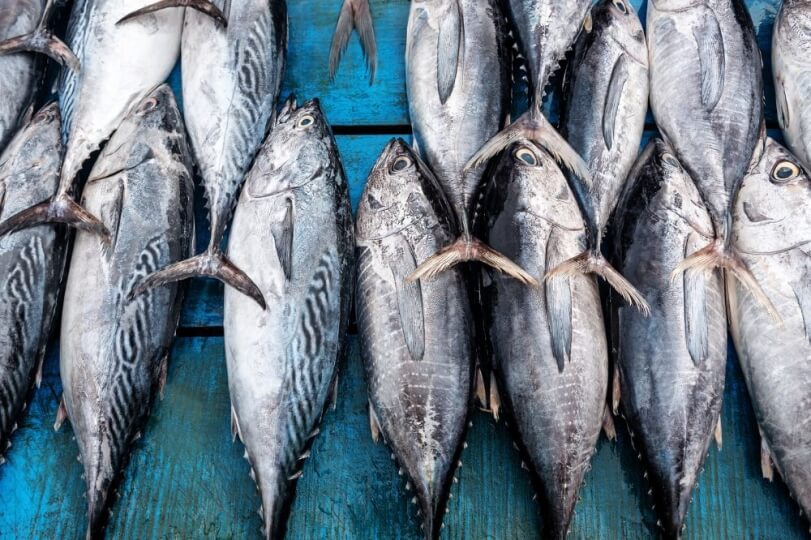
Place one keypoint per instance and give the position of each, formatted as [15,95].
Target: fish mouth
[395,231]
[550,221]
[317,174]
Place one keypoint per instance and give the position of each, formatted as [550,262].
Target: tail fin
[589,262]
[469,249]
[44,42]
[354,14]
[209,264]
[715,255]
[61,209]
[203,6]
[534,126]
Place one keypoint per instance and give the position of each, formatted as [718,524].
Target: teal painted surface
[187,479]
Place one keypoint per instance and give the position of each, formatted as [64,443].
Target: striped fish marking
[19,361]
[77,36]
[127,387]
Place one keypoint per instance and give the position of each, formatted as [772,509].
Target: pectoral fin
[710,44]
[283,239]
[409,298]
[695,313]
[619,76]
[450,50]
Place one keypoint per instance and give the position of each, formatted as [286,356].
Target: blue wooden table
[186,479]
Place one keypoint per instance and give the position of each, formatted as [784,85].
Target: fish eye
[401,163]
[785,171]
[306,120]
[527,156]
[670,159]
[148,105]
[620,5]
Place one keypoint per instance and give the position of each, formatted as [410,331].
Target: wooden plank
[186,479]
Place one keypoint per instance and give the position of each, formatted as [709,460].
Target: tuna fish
[670,365]
[231,80]
[707,98]
[791,66]
[354,14]
[457,63]
[23,28]
[416,337]
[531,215]
[114,350]
[772,229]
[606,99]
[293,231]
[121,64]
[546,30]
[31,264]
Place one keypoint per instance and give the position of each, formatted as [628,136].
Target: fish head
[31,161]
[531,180]
[152,120]
[400,192]
[619,19]
[299,149]
[773,208]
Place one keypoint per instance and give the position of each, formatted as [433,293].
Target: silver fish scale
[31,263]
[416,340]
[17,73]
[292,233]
[449,133]
[113,348]
[671,401]
[556,414]
[231,122]
[704,59]
[772,229]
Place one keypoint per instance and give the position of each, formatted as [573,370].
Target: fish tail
[61,209]
[203,6]
[42,41]
[534,126]
[590,262]
[212,264]
[469,249]
[354,14]
[718,255]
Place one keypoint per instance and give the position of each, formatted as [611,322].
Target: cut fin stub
[719,440]
[374,424]
[469,249]
[354,14]
[61,414]
[715,255]
[594,263]
[766,466]
[533,126]
[61,209]
[608,425]
[203,6]
[212,264]
[44,42]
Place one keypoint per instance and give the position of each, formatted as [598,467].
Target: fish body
[114,349]
[457,73]
[606,100]
[670,364]
[546,30]
[554,399]
[293,232]
[121,65]
[18,72]
[791,67]
[31,263]
[706,93]
[416,339]
[772,228]
[231,81]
